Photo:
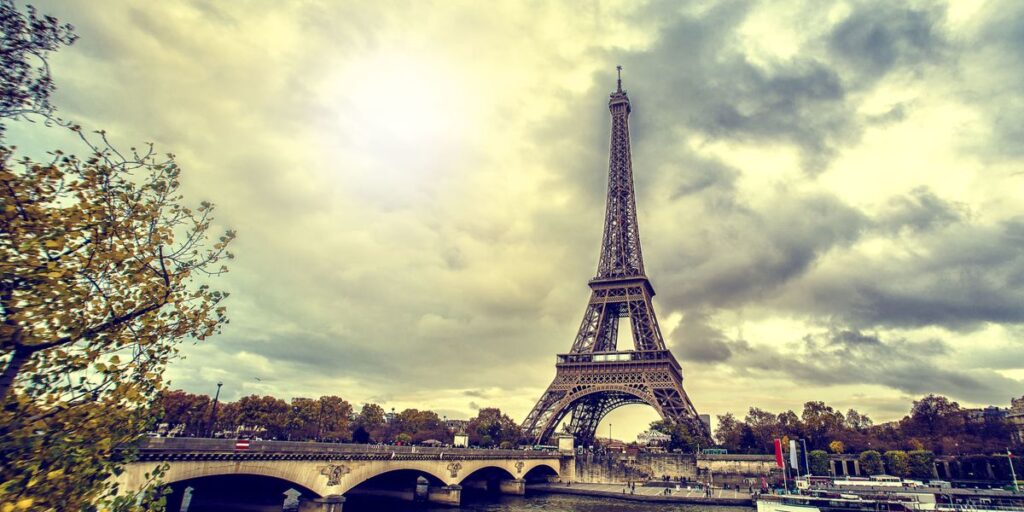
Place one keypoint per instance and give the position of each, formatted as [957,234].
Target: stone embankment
[652,494]
[743,470]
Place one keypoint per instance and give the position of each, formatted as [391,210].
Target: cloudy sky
[831,195]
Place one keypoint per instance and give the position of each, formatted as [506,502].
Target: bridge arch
[213,492]
[492,471]
[511,468]
[487,478]
[298,475]
[540,472]
[365,473]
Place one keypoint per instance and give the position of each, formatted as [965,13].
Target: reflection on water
[545,502]
[493,503]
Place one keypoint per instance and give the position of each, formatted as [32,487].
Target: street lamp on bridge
[213,413]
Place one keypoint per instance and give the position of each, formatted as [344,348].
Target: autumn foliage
[103,270]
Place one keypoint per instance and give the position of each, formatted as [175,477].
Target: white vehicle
[875,481]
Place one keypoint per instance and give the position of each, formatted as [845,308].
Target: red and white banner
[242,444]
[778,453]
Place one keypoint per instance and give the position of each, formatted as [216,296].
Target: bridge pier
[447,495]
[332,503]
[567,469]
[515,487]
[480,485]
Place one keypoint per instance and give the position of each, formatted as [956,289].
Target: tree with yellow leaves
[102,270]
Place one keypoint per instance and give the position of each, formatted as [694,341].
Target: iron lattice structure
[595,378]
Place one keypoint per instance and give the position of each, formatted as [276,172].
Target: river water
[473,503]
[537,502]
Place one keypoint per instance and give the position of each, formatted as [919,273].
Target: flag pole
[1013,472]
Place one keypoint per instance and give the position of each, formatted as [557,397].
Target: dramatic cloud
[830,194]
[852,357]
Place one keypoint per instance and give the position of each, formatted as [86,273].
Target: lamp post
[609,435]
[213,414]
[320,419]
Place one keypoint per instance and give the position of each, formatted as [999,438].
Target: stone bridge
[324,473]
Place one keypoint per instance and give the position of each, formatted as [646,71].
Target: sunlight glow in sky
[830,196]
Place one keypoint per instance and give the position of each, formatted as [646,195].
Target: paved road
[683,492]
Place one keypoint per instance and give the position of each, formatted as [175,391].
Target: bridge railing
[205,445]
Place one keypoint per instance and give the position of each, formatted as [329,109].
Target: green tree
[369,425]
[871,463]
[820,423]
[729,433]
[491,423]
[226,421]
[420,425]
[335,419]
[789,424]
[921,464]
[303,421]
[184,411]
[264,416]
[685,437]
[818,460]
[764,426]
[102,276]
[935,416]
[857,421]
[897,463]
[837,447]
[26,39]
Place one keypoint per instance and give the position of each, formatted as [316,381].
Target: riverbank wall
[743,470]
[693,500]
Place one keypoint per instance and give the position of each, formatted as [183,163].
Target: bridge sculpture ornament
[519,467]
[454,468]
[334,473]
[596,377]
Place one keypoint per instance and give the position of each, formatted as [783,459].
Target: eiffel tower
[595,377]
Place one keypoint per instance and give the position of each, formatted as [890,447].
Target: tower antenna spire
[618,69]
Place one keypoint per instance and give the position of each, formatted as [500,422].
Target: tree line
[935,424]
[327,419]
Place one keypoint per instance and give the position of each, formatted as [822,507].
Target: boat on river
[937,500]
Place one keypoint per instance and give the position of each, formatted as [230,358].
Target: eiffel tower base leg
[585,391]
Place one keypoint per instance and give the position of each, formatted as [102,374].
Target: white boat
[948,500]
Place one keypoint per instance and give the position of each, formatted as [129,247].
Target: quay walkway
[726,497]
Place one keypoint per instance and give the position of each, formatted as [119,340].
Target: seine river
[538,502]
[545,502]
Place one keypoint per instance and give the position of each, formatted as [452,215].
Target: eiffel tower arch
[595,377]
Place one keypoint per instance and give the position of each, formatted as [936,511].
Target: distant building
[653,438]
[982,415]
[457,426]
[706,420]
[613,446]
[1016,418]
[389,417]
